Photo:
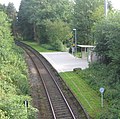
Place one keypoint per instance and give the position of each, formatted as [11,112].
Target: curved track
[58,103]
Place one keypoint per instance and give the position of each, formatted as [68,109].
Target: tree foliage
[101,75]
[57,32]
[86,14]
[106,72]
[12,14]
[2,8]
[34,14]
[107,38]
[11,11]
[13,76]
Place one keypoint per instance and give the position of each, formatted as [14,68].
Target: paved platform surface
[63,61]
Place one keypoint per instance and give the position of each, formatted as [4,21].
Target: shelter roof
[86,46]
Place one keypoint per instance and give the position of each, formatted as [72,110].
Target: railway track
[59,104]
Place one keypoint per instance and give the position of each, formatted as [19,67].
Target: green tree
[12,14]
[11,11]
[57,32]
[2,7]
[13,76]
[107,37]
[25,29]
[86,14]
[34,13]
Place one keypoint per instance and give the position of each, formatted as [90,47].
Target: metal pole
[102,100]
[106,7]
[27,112]
[102,91]
[75,41]
[72,50]
[26,106]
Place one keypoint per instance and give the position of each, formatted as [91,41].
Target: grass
[37,47]
[85,95]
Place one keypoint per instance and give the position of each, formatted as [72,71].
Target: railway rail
[57,98]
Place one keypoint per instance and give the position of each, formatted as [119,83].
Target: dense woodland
[50,24]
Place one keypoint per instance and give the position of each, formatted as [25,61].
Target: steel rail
[65,100]
[51,105]
[57,85]
[61,93]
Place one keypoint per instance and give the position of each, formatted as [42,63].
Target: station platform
[64,61]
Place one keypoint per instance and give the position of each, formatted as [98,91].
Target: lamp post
[75,41]
[106,7]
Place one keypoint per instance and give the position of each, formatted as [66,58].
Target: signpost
[102,91]
[26,106]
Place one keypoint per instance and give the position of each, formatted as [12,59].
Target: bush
[101,75]
[57,33]
[3,115]
[57,45]
[107,34]
[13,76]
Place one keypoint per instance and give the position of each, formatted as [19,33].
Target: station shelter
[87,52]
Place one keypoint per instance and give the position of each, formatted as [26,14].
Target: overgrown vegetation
[107,34]
[100,75]
[88,97]
[81,82]
[43,48]
[13,76]
[58,33]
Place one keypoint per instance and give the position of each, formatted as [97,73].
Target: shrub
[13,76]
[57,32]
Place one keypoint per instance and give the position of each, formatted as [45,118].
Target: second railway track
[60,107]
